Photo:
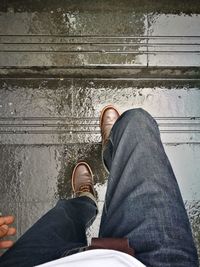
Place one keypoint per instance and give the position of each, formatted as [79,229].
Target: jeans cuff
[90,195]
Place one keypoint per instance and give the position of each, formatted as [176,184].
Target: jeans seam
[89,222]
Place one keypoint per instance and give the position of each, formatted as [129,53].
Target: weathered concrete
[61,62]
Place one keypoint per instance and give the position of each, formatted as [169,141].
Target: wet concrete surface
[61,62]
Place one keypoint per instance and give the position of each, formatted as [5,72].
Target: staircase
[61,62]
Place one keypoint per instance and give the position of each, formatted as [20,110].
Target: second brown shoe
[108,117]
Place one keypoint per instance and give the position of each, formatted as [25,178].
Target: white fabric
[96,258]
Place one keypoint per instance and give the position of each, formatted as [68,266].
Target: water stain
[91,153]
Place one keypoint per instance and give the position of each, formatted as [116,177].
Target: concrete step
[60,111]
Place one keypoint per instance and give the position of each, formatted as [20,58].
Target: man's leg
[56,233]
[143,201]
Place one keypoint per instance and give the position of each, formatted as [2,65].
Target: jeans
[143,203]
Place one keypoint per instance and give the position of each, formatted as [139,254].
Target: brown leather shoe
[82,179]
[108,117]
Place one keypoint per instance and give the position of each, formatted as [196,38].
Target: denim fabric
[143,203]
[59,232]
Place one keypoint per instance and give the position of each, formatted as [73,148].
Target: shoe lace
[84,188]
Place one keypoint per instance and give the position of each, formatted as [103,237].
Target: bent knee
[139,115]
[136,113]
